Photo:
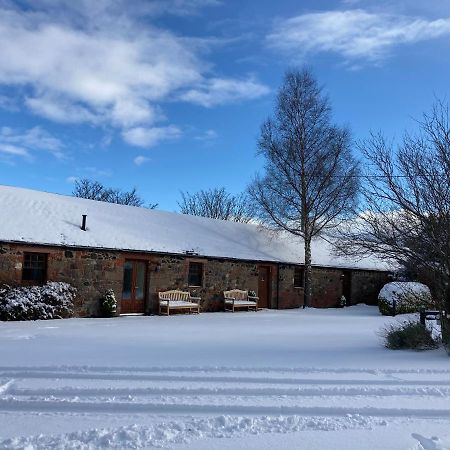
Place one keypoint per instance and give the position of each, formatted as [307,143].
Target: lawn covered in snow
[272,379]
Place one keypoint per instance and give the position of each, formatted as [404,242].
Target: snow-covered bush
[108,305]
[54,300]
[409,334]
[401,297]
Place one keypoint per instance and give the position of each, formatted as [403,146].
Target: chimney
[83,222]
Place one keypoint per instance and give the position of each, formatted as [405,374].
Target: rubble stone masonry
[92,272]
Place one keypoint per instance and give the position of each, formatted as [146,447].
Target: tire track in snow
[187,409]
[229,392]
[218,379]
[235,391]
[190,369]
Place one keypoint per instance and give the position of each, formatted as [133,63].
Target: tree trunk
[447,299]
[308,273]
[445,323]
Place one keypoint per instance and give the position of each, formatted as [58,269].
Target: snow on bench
[237,298]
[176,299]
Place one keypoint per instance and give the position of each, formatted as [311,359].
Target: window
[34,267]
[299,277]
[195,277]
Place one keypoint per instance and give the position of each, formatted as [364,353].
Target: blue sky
[169,95]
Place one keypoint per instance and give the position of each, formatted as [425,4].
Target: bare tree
[406,213]
[310,180]
[94,190]
[217,203]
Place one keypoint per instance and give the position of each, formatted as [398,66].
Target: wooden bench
[239,299]
[176,299]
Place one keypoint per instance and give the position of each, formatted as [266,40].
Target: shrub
[51,301]
[408,335]
[108,305]
[403,298]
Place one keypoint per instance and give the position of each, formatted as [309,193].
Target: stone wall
[366,285]
[327,287]
[219,275]
[289,297]
[92,272]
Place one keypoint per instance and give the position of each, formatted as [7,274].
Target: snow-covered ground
[299,379]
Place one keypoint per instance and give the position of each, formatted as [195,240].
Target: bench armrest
[229,298]
[195,298]
[253,298]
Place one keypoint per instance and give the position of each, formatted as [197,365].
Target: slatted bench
[239,299]
[176,299]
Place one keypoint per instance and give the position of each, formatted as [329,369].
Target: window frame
[201,273]
[31,279]
[299,271]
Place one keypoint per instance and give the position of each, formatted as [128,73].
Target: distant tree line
[94,190]
[217,203]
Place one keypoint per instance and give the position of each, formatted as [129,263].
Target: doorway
[346,278]
[264,286]
[134,287]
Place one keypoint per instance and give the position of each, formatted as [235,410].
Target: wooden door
[134,287]
[264,284]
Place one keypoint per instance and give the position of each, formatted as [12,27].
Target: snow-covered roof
[52,219]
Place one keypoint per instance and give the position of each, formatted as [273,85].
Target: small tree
[405,217]
[94,190]
[217,203]
[310,180]
[108,304]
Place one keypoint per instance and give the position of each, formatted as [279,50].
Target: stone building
[138,252]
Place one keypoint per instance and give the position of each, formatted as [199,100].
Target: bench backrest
[237,294]
[174,295]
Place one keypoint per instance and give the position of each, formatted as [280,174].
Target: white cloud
[207,136]
[139,160]
[13,150]
[216,91]
[96,172]
[80,75]
[100,63]
[183,7]
[353,34]
[25,143]
[89,172]
[87,9]
[149,137]
[59,109]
